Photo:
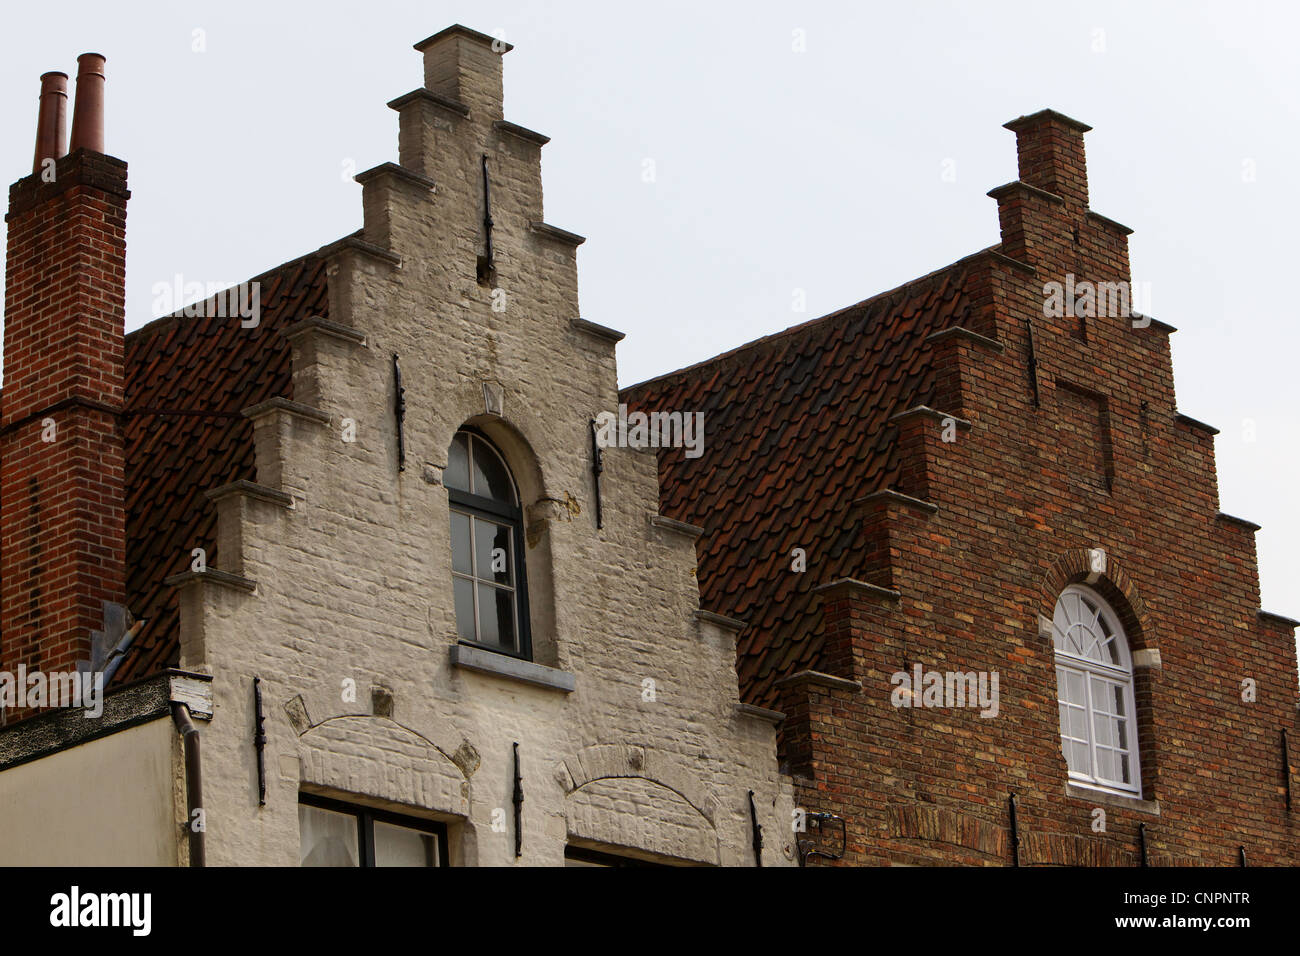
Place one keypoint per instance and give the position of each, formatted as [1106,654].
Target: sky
[831,149]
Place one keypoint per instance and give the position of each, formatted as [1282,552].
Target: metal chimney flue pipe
[88,112]
[51,122]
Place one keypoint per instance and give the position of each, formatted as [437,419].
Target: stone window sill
[511,668]
[1106,798]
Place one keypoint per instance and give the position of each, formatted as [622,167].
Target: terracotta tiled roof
[795,430]
[215,367]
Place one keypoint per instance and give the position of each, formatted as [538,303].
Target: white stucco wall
[352,581]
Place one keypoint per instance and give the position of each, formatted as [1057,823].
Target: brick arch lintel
[1115,585]
[614,761]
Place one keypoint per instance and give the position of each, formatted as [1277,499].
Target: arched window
[487,549]
[1094,680]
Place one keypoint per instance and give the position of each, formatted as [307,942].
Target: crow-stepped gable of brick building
[958,481]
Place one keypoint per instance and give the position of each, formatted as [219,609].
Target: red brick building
[961,478]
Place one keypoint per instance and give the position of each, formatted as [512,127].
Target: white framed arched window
[1094,681]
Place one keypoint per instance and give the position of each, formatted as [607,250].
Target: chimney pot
[88,112]
[51,122]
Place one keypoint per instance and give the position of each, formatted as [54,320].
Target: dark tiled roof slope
[795,430]
[213,366]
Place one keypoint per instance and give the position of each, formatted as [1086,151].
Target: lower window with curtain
[333,833]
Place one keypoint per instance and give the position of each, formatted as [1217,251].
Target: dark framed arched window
[487,548]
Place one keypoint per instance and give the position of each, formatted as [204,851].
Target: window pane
[460,553]
[1074,687]
[496,617]
[1059,627]
[1105,764]
[1077,758]
[1078,723]
[402,846]
[1101,730]
[326,838]
[1117,699]
[1100,696]
[457,473]
[494,554]
[465,609]
[491,479]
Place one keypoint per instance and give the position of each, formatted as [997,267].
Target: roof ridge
[805,326]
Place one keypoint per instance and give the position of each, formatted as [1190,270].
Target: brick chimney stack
[62,519]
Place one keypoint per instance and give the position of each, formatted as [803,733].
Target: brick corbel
[806,698]
[925,452]
[957,355]
[1028,218]
[850,642]
[885,517]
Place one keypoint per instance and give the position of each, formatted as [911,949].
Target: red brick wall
[954,570]
[61,501]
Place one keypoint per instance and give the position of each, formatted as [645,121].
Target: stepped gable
[217,368]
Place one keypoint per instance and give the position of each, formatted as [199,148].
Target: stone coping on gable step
[760,713]
[1194,423]
[957,331]
[324,326]
[889,494]
[871,590]
[665,523]
[1240,522]
[445,102]
[212,575]
[600,331]
[726,623]
[282,404]
[558,234]
[522,132]
[399,172]
[820,679]
[250,489]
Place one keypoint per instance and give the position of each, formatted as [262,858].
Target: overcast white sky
[775,170]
